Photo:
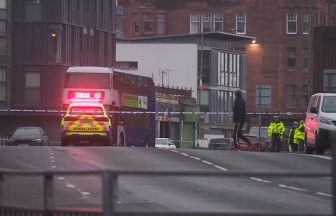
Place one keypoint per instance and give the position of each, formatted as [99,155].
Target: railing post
[332,143]
[110,184]
[48,192]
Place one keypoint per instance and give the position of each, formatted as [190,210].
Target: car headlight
[36,140]
[326,120]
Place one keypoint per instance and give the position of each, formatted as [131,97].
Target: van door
[311,120]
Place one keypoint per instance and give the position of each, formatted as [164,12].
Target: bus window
[92,80]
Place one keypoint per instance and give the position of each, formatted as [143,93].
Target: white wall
[179,59]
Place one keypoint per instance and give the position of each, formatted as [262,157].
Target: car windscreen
[255,131]
[87,80]
[27,132]
[161,141]
[329,104]
[87,110]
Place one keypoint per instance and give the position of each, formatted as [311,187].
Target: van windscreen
[329,104]
[87,80]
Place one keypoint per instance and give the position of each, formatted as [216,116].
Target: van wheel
[319,145]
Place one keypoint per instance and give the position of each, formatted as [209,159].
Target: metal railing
[110,192]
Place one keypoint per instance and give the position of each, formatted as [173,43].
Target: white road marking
[51,157]
[318,156]
[324,194]
[184,154]
[51,153]
[60,178]
[260,180]
[53,166]
[207,162]
[195,158]
[119,202]
[220,168]
[70,186]
[174,151]
[52,161]
[85,193]
[291,187]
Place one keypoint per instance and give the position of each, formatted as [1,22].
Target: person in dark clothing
[239,118]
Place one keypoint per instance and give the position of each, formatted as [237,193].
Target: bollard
[48,194]
[332,143]
[110,184]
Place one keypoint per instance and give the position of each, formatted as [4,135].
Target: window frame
[240,20]
[288,58]
[149,22]
[259,96]
[206,19]
[217,18]
[196,21]
[306,23]
[291,95]
[288,20]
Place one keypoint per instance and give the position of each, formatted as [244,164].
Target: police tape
[148,112]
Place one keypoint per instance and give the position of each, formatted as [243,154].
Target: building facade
[5,51]
[279,64]
[39,40]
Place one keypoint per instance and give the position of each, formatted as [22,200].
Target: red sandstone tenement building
[279,75]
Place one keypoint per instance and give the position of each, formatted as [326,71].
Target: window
[218,22]
[290,96]
[2,27]
[306,23]
[323,19]
[263,96]
[305,58]
[241,23]
[194,23]
[291,23]
[206,22]
[160,28]
[305,97]
[32,89]
[136,24]
[32,10]
[3,45]
[204,97]
[2,84]
[291,58]
[3,4]
[148,23]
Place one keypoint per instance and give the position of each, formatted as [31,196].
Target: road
[213,194]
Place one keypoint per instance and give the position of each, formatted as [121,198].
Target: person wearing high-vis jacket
[299,135]
[276,131]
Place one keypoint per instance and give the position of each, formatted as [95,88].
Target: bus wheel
[122,140]
[63,142]
[146,142]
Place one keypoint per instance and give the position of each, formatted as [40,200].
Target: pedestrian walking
[299,136]
[276,131]
[239,119]
[293,147]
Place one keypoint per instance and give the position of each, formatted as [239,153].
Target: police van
[320,122]
[86,123]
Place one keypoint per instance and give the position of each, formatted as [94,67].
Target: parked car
[263,133]
[264,145]
[164,143]
[320,121]
[219,144]
[32,136]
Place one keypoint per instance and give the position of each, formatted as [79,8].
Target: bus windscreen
[87,80]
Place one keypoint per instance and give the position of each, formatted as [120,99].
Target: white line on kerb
[70,186]
[195,158]
[60,178]
[324,194]
[291,187]
[259,180]
[184,154]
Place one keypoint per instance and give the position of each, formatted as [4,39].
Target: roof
[207,35]
[89,70]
